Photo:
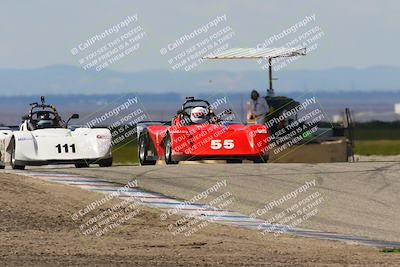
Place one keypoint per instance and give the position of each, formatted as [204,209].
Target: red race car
[197,133]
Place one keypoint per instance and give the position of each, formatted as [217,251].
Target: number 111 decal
[65,148]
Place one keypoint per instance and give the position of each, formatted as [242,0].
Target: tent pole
[270,91]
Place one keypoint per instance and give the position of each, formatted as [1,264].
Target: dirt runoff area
[37,229]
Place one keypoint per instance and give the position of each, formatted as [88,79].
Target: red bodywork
[210,141]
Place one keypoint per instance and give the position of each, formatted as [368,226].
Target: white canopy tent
[256,53]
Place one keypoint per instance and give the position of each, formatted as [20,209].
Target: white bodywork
[55,145]
[4,137]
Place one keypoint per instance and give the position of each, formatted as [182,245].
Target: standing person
[257,108]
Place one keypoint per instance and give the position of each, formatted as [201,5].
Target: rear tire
[2,167]
[106,162]
[261,159]
[143,148]
[13,160]
[168,151]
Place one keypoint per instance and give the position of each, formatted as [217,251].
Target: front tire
[13,164]
[82,165]
[168,151]
[234,161]
[143,148]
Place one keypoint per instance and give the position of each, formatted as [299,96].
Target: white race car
[4,133]
[44,138]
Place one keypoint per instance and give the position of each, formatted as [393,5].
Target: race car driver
[57,118]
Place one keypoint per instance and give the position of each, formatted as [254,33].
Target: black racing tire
[168,151]
[12,161]
[106,162]
[82,165]
[261,159]
[143,148]
[2,167]
[234,161]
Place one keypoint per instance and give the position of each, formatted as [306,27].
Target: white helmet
[198,115]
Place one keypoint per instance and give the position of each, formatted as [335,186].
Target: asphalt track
[360,199]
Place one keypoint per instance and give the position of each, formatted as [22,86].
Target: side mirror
[75,116]
[25,117]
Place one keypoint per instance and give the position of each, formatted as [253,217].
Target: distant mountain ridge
[63,79]
[162,106]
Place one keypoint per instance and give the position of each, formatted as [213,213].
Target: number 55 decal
[217,144]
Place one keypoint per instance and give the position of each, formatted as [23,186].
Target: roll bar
[191,99]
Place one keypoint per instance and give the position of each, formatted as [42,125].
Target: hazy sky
[358,33]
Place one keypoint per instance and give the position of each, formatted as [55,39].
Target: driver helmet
[44,116]
[198,115]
